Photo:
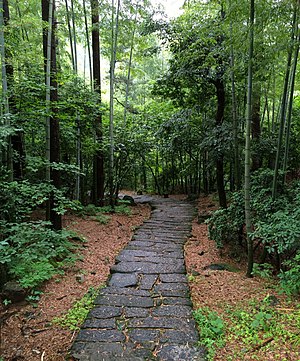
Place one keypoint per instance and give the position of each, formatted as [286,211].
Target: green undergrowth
[246,330]
[99,213]
[32,252]
[211,328]
[76,315]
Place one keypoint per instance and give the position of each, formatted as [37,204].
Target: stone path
[145,311]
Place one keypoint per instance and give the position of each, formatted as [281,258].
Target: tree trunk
[237,175]
[290,101]
[114,40]
[88,43]
[70,34]
[283,111]
[8,156]
[219,84]
[247,144]
[17,139]
[255,128]
[48,8]
[98,172]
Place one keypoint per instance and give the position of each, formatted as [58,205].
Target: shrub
[33,253]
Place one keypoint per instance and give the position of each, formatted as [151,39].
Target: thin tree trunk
[8,153]
[114,41]
[290,102]
[70,34]
[16,142]
[88,43]
[255,126]
[23,30]
[74,37]
[220,157]
[129,71]
[98,171]
[237,175]
[283,112]
[248,144]
[52,122]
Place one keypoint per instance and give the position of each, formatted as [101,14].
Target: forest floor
[28,333]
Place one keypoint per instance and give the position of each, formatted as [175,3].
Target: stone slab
[124,291]
[180,353]
[122,280]
[106,323]
[147,281]
[179,337]
[130,312]
[141,335]
[177,301]
[105,312]
[148,268]
[173,278]
[173,311]
[87,335]
[161,323]
[121,300]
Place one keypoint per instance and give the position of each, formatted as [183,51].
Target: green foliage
[34,297]
[225,225]
[211,329]
[275,223]
[97,212]
[6,302]
[89,210]
[255,324]
[20,198]
[32,274]
[290,279]
[33,253]
[102,218]
[76,315]
[262,270]
[120,209]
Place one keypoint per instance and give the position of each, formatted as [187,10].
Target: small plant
[290,279]
[102,218]
[191,278]
[34,297]
[6,302]
[211,329]
[120,209]
[263,270]
[76,315]
[90,210]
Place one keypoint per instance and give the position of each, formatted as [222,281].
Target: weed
[6,302]
[261,325]
[34,297]
[120,209]
[191,278]
[211,328]
[102,218]
[76,315]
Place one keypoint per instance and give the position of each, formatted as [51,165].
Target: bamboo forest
[184,115]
